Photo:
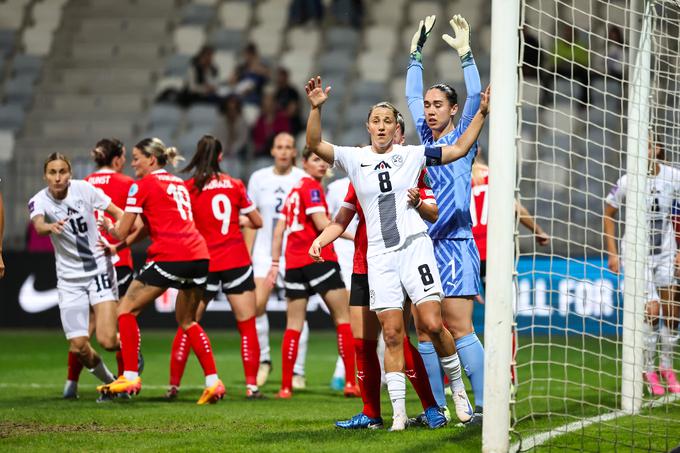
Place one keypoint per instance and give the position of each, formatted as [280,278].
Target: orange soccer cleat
[284,394]
[121,385]
[212,394]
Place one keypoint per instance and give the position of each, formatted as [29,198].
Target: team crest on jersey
[133,190]
[397,160]
[316,195]
[279,190]
[382,166]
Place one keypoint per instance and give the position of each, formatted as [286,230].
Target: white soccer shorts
[410,271]
[76,297]
[660,273]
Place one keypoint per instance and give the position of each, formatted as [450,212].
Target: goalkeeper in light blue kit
[454,246]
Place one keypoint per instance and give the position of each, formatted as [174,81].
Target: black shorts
[175,274]
[482,273]
[232,281]
[124,276]
[311,279]
[359,294]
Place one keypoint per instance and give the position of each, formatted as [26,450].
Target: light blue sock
[434,371]
[471,354]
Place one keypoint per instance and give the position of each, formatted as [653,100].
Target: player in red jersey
[304,215]
[109,155]
[177,258]
[217,201]
[365,323]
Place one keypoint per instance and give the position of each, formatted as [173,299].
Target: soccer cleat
[671,380]
[284,394]
[172,393]
[462,404]
[434,416]
[447,413]
[653,383]
[360,421]
[254,394]
[418,421]
[263,373]
[338,383]
[299,382]
[352,391]
[104,398]
[122,385]
[476,420]
[399,422]
[212,394]
[71,390]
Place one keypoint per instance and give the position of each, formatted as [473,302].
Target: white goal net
[598,81]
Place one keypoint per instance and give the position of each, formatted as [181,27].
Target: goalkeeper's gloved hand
[461,42]
[419,38]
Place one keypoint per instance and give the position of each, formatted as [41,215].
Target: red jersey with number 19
[165,206]
[216,212]
[116,186]
[306,198]
[479,211]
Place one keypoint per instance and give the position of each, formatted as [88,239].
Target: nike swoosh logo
[34,301]
[365,165]
[428,288]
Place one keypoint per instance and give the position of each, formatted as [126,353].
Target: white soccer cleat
[299,382]
[399,422]
[463,407]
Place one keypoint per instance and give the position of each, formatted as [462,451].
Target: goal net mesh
[572,137]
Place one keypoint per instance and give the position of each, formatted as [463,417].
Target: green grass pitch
[34,417]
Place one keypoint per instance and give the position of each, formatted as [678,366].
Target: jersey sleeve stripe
[250,208]
[344,204]
[134,209]
[314,209]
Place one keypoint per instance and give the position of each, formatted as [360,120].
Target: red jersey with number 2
[361,236]
[306,198]
[165,205]
[216,212]
[116,186]
[479,211]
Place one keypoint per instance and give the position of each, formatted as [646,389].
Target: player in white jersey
[663,193]
[400,254]
[85,275]
[268,189]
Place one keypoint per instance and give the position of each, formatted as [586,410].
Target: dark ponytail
[205,163]
[106,150]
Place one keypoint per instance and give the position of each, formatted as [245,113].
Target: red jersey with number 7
[116,186]
[164,203]
[479,211]
[216,210]
[306,198]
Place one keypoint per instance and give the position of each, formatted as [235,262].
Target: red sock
[129,341]
[250,349]
[179,356]
[346,351]
[368,374]
[119,362]
[200,343]
[289,351]
[417,374]
[74,367]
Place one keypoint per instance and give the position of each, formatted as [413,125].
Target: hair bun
[173,156]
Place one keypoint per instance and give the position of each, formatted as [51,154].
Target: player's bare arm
[609,228]
[427,211]
[122,228]
[331,232]
[254,220]
[528,220]
[277,242]
[317,95]
[44,228]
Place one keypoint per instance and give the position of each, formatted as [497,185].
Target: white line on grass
[539,439]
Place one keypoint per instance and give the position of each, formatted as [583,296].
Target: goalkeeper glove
[461,42]
[419,38]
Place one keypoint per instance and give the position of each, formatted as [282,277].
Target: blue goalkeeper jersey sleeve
[450,183]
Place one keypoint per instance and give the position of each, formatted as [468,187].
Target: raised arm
[317,95]
[414,72]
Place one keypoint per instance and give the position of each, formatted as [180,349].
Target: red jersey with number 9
[216,212]
[306,198]
[479,211]
[116,186]
[165,205]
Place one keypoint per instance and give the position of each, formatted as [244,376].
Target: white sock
[299,367]
[262,326]
[381,357]
[451,366]
[650,336]
[130,375]
[339,368]
[668,341]
[211,379]
[396,387]
[102,373]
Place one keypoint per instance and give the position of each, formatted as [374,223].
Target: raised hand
[484,102]
[461,30]
[316,94]
[418,41]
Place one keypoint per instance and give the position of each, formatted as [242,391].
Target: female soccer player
[304,216]
[663,190]
[217,201]
[177,258]
[109,155]
[454,246]
[268,189]
[85,275]
[400,256]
